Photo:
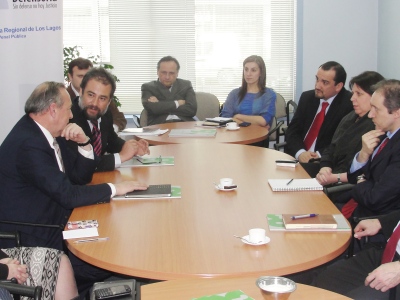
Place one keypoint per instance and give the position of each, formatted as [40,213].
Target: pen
[304,216]
[290,181]
[91,240]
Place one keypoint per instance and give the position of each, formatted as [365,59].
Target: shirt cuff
[117,159]
[298,153]
[86,153]
[355,165]
[176,103]
[113,189]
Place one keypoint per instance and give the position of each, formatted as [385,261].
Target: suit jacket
[380,193]
[346,142]
[110,141]
[304,116]
[34,190]
[118,117]
[389,222]
[159,111]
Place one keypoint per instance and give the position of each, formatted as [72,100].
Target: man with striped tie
[376,168]
[373,271]
[91,112]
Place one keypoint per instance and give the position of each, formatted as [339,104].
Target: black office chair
[12,285]
[278,146]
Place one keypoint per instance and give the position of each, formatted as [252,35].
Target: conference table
[243,135]
[185,289]
[192,236]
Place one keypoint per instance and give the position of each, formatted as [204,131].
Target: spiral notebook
[284,185]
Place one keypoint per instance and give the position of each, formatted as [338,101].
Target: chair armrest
[279,146]
[11,235]
[23,290]
[337,188]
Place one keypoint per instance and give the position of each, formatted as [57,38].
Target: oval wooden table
[244,135]
[184,289]
[193,236]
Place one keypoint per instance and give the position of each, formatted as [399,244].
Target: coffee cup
[226,182]
[257,235]
[232,125]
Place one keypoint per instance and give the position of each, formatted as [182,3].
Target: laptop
[153,191]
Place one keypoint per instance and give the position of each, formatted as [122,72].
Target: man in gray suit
[169,99]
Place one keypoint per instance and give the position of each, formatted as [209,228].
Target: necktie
[381,146]
[390,248]
[58,151]
[315,127]
[96,138]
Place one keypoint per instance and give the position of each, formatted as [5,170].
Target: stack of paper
[143,131]
[193,133]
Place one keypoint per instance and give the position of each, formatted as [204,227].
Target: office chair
[278,146]
[143,118]
[207,106]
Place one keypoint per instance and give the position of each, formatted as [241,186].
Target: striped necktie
[96,138]
[58,152]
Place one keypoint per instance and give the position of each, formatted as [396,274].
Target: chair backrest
[143,118]
[280,106]
[207,106]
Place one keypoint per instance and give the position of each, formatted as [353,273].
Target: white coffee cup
[231,125]
[226,182]
[257,235]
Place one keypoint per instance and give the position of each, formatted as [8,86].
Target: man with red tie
[376,168]
[372,272]
[318,114]
[90,112]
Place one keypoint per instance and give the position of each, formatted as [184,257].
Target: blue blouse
[251,105]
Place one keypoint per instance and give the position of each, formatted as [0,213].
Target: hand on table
[129,186]
[307,155]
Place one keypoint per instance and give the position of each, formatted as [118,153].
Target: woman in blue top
[253,102]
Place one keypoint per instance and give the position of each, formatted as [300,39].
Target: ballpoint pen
[289,182]
[91,240]
[304,216]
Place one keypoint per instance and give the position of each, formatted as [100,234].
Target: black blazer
[159,111]
[34,190]
[110,141]
[389,223]
[380,193]
[304,116]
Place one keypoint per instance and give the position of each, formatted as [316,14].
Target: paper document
[154,132]
[80,233]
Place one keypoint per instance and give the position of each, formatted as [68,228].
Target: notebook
[275,223]
[159,190]
[282,185]
[317,222]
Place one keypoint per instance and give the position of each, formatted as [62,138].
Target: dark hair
[168,58]
[340,73]
[81,63]
[262,81]
[102,75]
[366,80]
[390,89]
[43,96]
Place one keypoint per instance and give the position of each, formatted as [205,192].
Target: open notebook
[282,185]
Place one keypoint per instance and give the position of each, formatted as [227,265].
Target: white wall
[388,39]
[341,30]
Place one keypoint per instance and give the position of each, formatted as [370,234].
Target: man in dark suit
[364,276]
[42,179]
[376,167]
[168,99]
[77,68]
[91,112]
[329,90]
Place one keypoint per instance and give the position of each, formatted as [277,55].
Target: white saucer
[218,187]
[237,128]
[246,237]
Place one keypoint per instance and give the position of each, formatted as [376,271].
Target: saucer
[246,237]
[218,187]
[237,128]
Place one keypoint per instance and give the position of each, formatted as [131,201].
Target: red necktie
[381,146]
[315,127]
[390,248]
[96,138]
[351,205]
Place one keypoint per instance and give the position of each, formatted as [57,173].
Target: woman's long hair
[262,81]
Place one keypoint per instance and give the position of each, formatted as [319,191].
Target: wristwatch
[84,144]
[338,179]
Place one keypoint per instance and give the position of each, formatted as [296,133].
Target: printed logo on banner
[3,4]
